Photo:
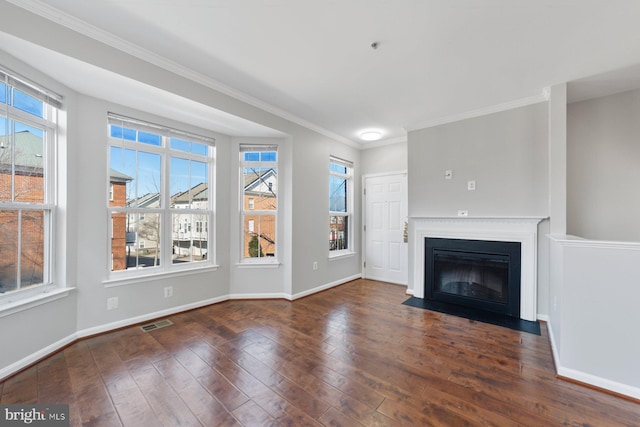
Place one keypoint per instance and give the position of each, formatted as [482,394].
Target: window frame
[251,210]
[163,209]
[348,213]
[48,124]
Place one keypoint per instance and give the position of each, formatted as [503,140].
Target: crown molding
[383,142]
[523,102]
[62,18]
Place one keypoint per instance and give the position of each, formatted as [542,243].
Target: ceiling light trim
[82,27]
[523,102]
[370,135]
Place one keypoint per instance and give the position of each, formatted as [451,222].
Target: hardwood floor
[349,356]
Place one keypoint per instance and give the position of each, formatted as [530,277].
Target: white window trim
[341,253]
[265,260]
[24,298]
[166,268]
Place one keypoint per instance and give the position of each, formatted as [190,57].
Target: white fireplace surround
[506,229]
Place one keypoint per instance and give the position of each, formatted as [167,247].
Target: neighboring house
[143,230]
[28,186]
[190,231]
[118,197]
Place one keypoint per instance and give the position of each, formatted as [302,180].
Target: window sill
[130,279]
[269,264]
[341,255]
[9,307]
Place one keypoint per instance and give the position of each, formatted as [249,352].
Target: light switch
[448,174]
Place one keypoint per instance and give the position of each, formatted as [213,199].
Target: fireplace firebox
[479,274]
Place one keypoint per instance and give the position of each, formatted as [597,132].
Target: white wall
[594,323]
[603,167]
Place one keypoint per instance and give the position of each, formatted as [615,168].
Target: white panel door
[385,215]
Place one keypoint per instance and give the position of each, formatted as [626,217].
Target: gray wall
[603,168]
[387,158]
[304,225]
[506,153]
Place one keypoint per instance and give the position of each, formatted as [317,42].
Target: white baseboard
[34,357]
[274,295]
[589,379]
[600,382]
[543,317]
[554,349]
[83,333]
[325,287]
[149,316]
[52,348]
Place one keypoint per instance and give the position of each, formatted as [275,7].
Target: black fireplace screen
[474,273]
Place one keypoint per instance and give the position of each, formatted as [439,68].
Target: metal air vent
[156,325]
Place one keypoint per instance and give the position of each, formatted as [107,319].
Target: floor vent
[156,325]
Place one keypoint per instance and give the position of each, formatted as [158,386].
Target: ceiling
[313,61]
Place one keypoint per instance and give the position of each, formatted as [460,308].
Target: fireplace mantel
[507,229]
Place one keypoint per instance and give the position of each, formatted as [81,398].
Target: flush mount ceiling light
[370,135]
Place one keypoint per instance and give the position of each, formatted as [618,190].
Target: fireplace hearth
[478,274]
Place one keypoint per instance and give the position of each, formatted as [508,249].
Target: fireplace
[479,274]
[522,230]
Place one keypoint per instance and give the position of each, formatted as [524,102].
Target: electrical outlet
[463,213]
[471,185]
[168,291]
[315,265]
[112,303]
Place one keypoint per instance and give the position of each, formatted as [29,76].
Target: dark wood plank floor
[350,356]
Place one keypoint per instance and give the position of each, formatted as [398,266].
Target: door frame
[363,242]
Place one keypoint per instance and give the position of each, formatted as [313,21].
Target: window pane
[338,233]
[251,156]
[268,156]
[28,103]
[121,241]
[6,162]
[29,165]
[189,147]
[189,184]
[32,255]
[148,186]
[261,185]
[3,93]
[122,164]
[144,251]
[123,133]
[190,237]
[259,236]
[337,194]
[9,250]
[22,168]
[149,138]
[334,167]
